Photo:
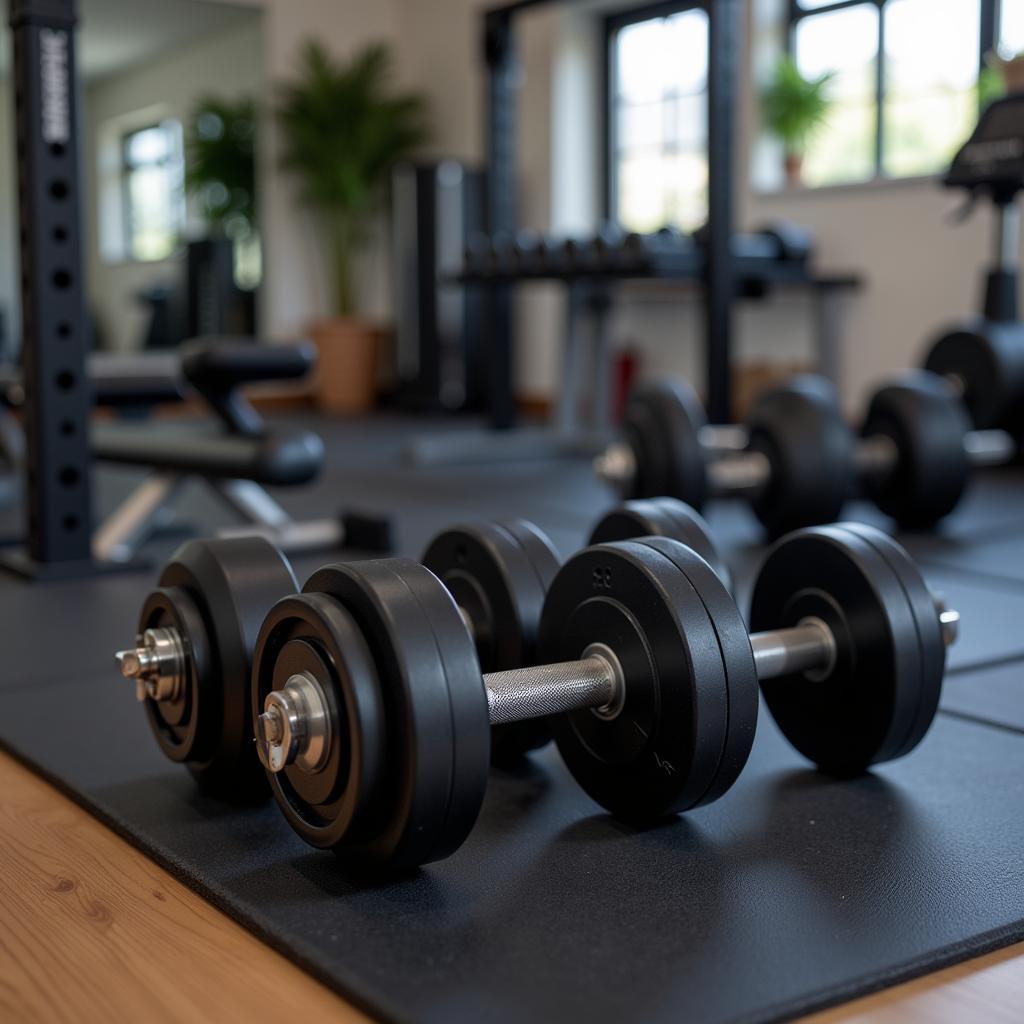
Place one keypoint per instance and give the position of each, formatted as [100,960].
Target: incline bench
[238,460]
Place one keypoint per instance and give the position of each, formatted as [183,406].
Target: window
[657,118]
[152,190]
[905,87]
[1011,28]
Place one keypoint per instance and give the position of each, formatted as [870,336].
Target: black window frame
[613,24]
[988,39]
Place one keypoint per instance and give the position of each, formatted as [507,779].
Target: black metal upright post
[720,274]
[501,213]
[54,322]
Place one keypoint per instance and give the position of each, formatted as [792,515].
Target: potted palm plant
[794,108]
[343,129]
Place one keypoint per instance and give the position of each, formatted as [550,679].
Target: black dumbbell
[193,657]
[374,718]
[796,467]
[917,449]
[499,573]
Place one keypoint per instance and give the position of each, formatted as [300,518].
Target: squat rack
[54,322]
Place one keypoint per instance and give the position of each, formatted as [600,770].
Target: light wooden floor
[91,929]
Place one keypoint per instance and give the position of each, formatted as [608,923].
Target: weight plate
[660,517]
[810,450]
[498,574]
[926,620]
[661,752]
[986,359]
[216,592]
[927,423]
[662,425]
[865,709]
[737,656]
[341,803]
[435,706]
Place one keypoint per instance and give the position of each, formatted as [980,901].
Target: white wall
[8,216]
[228,63]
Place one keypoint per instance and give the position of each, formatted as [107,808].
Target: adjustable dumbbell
[193,657]
[374,718]
[793,466]
[499,573]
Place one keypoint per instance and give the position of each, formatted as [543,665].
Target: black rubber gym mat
[792,892]
[994,695]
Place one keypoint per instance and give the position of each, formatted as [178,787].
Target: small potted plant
[794,108]
[1010,70]
[343,130]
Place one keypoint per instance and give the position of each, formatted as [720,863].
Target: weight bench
[238,459]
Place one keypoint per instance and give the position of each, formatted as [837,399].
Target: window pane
[149,146]
[813,5]
[1011,28]
[931,53]
[660,121]
[844,42]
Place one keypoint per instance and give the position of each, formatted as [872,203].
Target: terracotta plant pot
[794,169]
[347,367]
[1013,73]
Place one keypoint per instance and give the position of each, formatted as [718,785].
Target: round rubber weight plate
[343,802]
[660,517]
[927,424]
[498,574]
[232,584]
[865,709]
[926,620]
[661,753]
[435,706]
[810,449]
[662,424]
[989,359]
[737,656]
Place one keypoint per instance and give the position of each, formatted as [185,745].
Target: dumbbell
[193,657]
[196,632]
[374,718]
[917,449]
[795,466]
[499,573]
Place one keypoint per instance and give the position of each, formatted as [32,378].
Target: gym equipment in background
[985,354]
[435,209]
[237,459]
[797,462]
[374,716]
[197,629]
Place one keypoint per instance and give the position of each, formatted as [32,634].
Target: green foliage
[220,166]
[343,129]
[794,107]
[991,85]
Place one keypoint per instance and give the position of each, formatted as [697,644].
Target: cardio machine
[984,355]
